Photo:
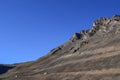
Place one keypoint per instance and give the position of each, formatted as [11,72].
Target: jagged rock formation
[100,26]
[92,54]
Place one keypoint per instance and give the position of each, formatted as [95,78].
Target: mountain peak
[100,27]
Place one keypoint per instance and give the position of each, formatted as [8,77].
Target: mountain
[92,54]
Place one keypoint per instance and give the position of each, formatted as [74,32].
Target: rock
[45,73]
[16,76]
[116,17]
[75,37]
[100,26]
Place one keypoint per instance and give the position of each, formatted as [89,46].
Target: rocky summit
[92,54]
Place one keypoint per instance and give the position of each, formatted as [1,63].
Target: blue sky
[29,29]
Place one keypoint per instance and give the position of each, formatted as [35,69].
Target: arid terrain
[92,54]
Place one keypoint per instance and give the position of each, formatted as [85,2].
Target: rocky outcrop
[100,26]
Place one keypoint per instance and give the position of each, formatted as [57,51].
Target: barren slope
[89,55]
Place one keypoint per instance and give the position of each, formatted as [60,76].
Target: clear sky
[29,29]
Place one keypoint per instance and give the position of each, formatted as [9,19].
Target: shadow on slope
[5,68]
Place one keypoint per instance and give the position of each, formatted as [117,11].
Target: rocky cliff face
[100,27]
[92,54]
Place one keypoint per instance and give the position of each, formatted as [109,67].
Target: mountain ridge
[92,54]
